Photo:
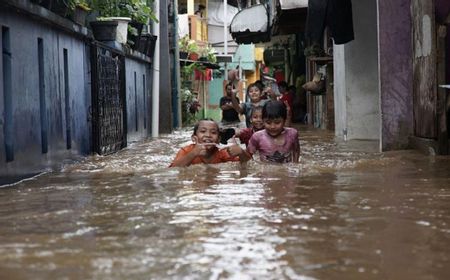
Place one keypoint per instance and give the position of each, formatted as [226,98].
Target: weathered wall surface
[138,88]
[45,108]
[442,12]
[27,106]
[395,55]
[165,86]
[340,90]
[357,108]
[363,108]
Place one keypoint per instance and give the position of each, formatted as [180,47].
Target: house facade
[385,84]
[386,80]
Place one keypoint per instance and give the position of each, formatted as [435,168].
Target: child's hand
[234,149]
[201,149]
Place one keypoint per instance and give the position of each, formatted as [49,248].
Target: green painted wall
[215,93]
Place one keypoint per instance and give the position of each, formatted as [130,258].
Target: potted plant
[188,69]
[207,53]
[183,46]
[80,10]
[112,15]
[147,44]
[188,48]
[141,14]
[193,50]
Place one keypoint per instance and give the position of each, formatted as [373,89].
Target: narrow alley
[97,98]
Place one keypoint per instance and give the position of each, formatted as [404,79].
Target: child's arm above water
[236,150]
[236,104]
[185,158]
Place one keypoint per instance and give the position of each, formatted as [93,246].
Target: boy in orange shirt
[205,147]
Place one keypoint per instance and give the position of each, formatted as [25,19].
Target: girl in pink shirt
[275,143]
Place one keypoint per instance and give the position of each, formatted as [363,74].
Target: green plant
[188,70]
[208,52]
[190,106]
[107,8]
[82,4]
[185,44]
[140,11]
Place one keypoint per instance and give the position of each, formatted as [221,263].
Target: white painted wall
[215,26]
[357,107]
[215,36]
[340,90]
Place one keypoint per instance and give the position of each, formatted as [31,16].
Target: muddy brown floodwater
[345,212]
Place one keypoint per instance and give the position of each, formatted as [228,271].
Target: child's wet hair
[257,109]
[274,109]
[197,124]
[253,85]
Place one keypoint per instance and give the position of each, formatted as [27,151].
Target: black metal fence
[108,100]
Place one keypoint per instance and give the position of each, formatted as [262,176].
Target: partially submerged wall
[45,91]
[47,99]
[395,59]
[357,109]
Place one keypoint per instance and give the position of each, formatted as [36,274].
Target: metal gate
[108,100]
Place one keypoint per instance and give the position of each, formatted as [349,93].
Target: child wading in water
[256,121]
[275,143]
[254,93]
[205,147]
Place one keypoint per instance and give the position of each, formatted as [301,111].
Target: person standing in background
[230,117]
[200,10]
[287,97]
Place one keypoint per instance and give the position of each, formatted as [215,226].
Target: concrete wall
[26,103]
[356,77]
[395,59]
[165,86]
[138,94]
[340,90]
[64,107]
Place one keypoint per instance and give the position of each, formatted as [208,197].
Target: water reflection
[345,212]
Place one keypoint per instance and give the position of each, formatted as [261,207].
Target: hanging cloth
[336,14]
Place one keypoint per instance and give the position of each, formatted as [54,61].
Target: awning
[253,19]
[291,18]
[251,25]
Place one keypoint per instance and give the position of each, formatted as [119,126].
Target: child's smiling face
[256,120]
[207,133]
[254,94]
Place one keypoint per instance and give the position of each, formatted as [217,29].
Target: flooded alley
[345,212]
